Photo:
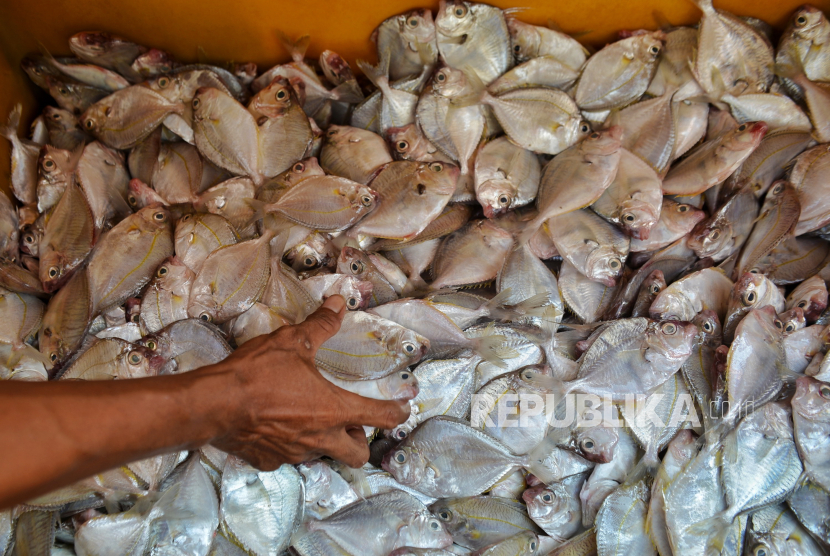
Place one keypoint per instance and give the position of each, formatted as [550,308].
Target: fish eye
[352,303]
[400,456]
[404,375]
[151,345]
[366,200]
[460,11]
[132,200]
[629,217]
[654,289]
[48,165]
[614,264]
[801,20]
[517,48]
[824,391]
[708,326]
[445,515]
[742,127]
[434,525]
[135,358]
[682,208]
[777,189]
[778,324]
[134,318]
[654,50]
[53,356]
[63,90]
[196,102]
[163,82]
[528,375]
[436,167]
[440,77]
[356,267]
[162,272]
[547,497]
[802,304]
[790,327]
[714,234]
[402,146]
[159,217]
[56,116]
[760,551]
[89,123]
[754,271]
[281,94]
[29,238]
[309,262]
[749,298]
[186,217]
[504,200]
[669,328]
[533,546]
[400,434]
[54,271]
[595,135]
[331,133]
[412,22]
[584,128]
[205,316]
[298,168]
[587,444]
[409,348]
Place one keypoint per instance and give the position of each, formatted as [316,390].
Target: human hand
[287,412]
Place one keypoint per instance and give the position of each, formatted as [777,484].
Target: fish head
[202,306]
[681,216]
[752,290]
[496,196]
[683,446]
[52,346]
[363,198]
[449,82]
[553,506]
[746,136]
[158,345]
[403,140]
[354,262]
[53,271]
[405,464]
[37,67]
[648,46]
[789,321]
[708,238]
[809,23]
[438,178]
[453,521]
[141,195]
[338,135]
[172,273]
[356,292]
[277,99]
[55,165]
[401,386]
[139,362]
[59,119]
[603,143]
[424,530]
[171,87]
[778,193]
[524,39]
[30,239]
[604,265]
[416,27]
[811,297]
[708,326]
[655,282]
[596,444]
[153,62]
[638,218]
[408,345]
[671,339]
[314,251]
[91,43]
[154,217]
[335,68]
[454,19]
[299,171]
[812,399]
[672,304]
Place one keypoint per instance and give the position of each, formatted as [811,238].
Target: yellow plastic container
[216,30]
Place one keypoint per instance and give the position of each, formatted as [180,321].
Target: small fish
[67,239]
[406,43]
[24,159]
[353,153]
[459,260]
[186,345]
[166,298]
[807,178]
[109,51]
[676,220]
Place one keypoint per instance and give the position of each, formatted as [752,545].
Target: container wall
[217,30]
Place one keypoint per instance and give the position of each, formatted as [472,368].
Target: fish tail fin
[527,233]
[791,70]
[650,461]
[640,471]
[258,207]
[535,460]
[296,49]
[715,528]
[347,92]
[376,74]
[495,307]
[9,131]
[704,5]
[491,347]
[540,306]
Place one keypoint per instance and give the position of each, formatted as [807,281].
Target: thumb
[323,323]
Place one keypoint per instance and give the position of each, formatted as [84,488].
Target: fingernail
[335,303]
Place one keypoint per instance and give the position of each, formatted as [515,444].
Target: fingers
[383,414]
[349,447]
[323,323]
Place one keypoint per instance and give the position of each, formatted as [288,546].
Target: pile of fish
[506,213]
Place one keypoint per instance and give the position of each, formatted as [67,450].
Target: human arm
[266,403]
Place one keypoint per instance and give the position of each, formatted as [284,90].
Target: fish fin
[347,92]
[178,125]
[789,71]
[490,346]
[495,305]
[715,528]
[296,49]
[650,461]
[510,12]
[704,5]
[376,74]
[535,459]
[730,448]
[259,208]
[539,305]
[9,131]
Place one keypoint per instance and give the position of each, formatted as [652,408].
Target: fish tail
[491,347]
[715,528]
[347,92]
[376,74]
[540,306]
[260,209]
[296,49]
[650,461]
[527,234]
[495,307]
[792,70]
[536,458]
[9,131]
[704,5]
